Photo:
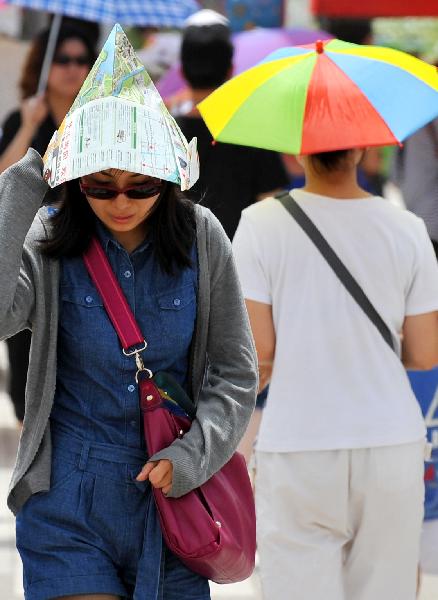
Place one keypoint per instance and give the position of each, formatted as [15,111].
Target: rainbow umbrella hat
[326,96]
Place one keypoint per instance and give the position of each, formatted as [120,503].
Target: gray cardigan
[223,372]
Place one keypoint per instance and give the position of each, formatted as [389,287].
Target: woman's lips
[122,219]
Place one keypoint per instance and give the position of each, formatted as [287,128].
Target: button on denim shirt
[96,394]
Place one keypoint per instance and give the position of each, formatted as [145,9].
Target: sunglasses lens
[100,193]
[64,59]
[144,191]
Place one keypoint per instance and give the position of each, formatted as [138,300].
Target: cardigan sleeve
[22,190]
[227,397]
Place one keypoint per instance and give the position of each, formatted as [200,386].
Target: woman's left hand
[159,473]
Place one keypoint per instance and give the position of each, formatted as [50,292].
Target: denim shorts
[96,531]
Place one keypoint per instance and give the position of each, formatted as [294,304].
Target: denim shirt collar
[106,238]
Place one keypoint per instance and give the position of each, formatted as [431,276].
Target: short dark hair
[330,161]
[206,56]
[34,61]
[171,224]
[355,31]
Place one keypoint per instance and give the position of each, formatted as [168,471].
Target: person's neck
[130,240]
[342,186]
[59,106]
[196,97]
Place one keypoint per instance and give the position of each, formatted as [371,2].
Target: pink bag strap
[114,299]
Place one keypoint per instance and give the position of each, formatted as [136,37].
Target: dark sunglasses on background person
[64,60]
[141,191]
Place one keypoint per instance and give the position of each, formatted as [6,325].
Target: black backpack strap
[336,264]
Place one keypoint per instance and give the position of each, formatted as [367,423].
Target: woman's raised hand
[33,111]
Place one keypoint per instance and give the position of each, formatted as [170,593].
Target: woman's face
[124,214]
[70,67]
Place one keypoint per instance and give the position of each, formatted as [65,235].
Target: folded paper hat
[119,121]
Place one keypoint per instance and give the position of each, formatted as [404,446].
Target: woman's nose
[121,200]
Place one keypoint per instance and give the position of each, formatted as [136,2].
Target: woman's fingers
[159,474]
[144,473]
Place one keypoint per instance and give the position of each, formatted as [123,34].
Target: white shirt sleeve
[250,267]
[422,295]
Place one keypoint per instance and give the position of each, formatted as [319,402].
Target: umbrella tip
[319,46]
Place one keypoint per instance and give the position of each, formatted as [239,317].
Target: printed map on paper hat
[119,121]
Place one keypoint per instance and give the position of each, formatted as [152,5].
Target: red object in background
[375,8]
[429,473]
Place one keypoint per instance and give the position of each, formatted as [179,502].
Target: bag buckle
[139,361]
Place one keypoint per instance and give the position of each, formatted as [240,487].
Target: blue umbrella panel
[150,13]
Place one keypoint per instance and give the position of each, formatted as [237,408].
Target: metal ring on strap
[137,350]
[148,371]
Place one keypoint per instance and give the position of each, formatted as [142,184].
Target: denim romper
[96,531]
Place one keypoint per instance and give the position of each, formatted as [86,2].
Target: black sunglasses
[141,191]
[65,59]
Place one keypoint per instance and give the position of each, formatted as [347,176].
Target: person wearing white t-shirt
[339,483]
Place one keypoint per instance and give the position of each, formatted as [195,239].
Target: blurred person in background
[415,172]
[232,177]
[32,125]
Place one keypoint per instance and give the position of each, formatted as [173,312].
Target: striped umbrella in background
[150,13]
[141,13]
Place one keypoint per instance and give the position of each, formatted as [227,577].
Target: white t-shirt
[336,383]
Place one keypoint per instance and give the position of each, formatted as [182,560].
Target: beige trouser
[341,524]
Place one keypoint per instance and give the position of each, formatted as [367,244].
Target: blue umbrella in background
[141,13]
[151,13]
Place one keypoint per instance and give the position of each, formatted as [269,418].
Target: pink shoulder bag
[212,528]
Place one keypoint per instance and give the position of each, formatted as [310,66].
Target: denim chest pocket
[177,310]
[82,311]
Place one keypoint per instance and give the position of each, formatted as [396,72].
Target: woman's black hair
[330,161]
[171,225]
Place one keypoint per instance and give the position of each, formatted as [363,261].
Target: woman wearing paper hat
[85,522]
